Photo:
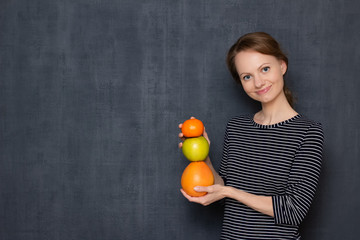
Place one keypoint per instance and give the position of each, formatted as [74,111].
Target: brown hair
[260,42]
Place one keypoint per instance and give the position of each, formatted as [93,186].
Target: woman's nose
[259,82]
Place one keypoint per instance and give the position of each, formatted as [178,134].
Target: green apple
[195,149]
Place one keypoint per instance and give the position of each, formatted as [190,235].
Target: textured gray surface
[91,93]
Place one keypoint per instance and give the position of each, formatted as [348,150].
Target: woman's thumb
[200,189]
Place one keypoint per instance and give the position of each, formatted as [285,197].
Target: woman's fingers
[200,200]
[181,135]
[185,194]
[205,133]
[188,197]
[201,189]
[206,136]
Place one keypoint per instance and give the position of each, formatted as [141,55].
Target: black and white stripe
[281,160]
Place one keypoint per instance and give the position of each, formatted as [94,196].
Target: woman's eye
[247,77]
[266,69]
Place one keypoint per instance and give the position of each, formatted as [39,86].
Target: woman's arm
[259,203]
[292,207]
[217,192]
[218,179]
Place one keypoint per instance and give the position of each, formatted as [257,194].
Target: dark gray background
[92,92]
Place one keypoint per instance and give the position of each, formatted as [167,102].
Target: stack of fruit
[196,149]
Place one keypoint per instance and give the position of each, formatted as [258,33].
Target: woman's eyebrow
[257,68]
[263,65]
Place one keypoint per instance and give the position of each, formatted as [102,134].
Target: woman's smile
[264,90]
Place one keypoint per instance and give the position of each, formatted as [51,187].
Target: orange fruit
[196,174]
[192,128]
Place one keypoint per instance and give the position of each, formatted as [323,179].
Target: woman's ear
[283,67]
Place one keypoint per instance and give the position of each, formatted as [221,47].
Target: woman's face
[261,75]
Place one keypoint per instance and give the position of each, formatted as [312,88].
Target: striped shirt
[283,161]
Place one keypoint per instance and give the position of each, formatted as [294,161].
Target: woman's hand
[181,135]
[214,193]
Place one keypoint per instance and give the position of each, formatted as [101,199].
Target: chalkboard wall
[92,91]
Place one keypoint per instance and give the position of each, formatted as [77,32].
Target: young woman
[271,159]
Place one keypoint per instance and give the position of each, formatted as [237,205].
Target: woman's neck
[275,112]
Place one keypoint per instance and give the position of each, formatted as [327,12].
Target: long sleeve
[292,207]
[223,164]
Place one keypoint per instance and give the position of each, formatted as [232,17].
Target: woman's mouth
[264,90]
